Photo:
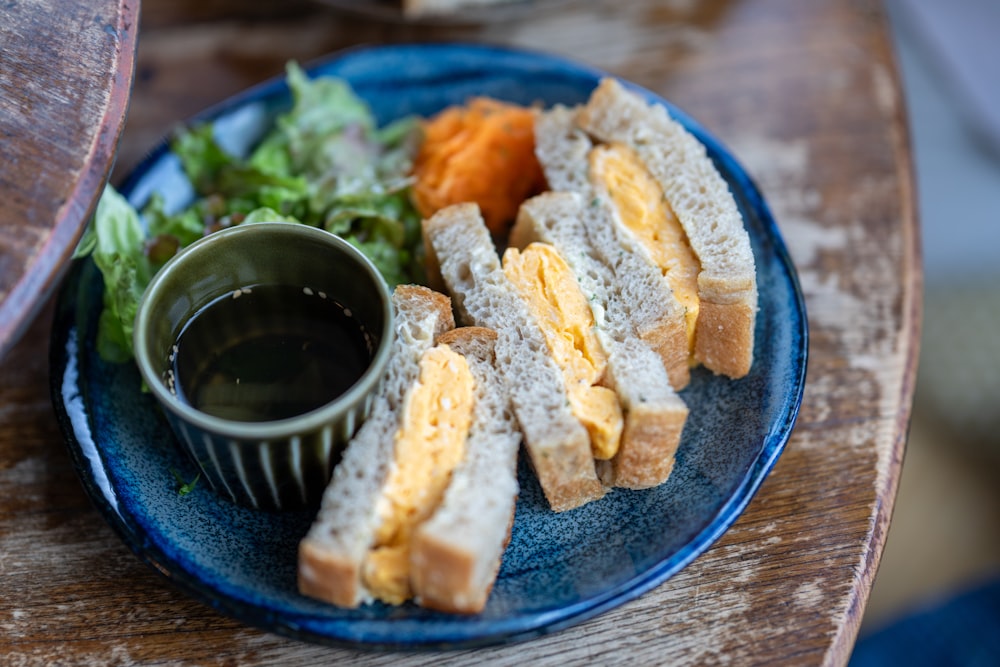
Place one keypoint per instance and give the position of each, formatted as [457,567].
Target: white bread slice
[332,554]
[456,554]
[654,413]
[658,317]
[558,445]
[700,197]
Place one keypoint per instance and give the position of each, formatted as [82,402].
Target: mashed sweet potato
[483,152]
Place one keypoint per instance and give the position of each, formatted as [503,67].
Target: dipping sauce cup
[265,344]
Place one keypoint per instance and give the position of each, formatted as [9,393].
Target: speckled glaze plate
[559,568]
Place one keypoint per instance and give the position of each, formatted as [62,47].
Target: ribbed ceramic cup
[273,465]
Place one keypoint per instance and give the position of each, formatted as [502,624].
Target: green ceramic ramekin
[273,465]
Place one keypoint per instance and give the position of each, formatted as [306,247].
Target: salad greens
[325,163]
[184,488]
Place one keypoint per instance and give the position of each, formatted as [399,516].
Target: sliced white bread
[456,554]
[562,149]
[558,445]
[332,554]
[654,413]
[705,207]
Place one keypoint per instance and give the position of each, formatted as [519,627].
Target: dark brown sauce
[268,352]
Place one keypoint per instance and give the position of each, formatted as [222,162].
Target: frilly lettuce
[116,241]
[324,163]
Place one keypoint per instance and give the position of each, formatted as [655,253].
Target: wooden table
[807,95]
[65,73]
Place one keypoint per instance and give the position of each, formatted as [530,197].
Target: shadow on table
[960,631]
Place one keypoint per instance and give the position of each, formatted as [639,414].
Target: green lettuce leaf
[265,214]
[119,253]
[201,157]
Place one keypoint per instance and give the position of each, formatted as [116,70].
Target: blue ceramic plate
[559,568]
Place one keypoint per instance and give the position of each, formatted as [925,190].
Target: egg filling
[430,443]
[641,206]
[548,286]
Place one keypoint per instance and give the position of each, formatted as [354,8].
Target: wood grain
[807,97]
[65,72]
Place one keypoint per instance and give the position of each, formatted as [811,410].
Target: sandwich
[564,151]
[594,404]
[659,211]
[421,505]
[554,223]
[458,243]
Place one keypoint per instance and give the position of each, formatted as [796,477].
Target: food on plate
[550,290]
[482,152]
[556,441]
[544,333]
[625,265]
[632,131]
[323,163]
[654,415]
[658,317]
[636,262]
[421,505]
[637,202]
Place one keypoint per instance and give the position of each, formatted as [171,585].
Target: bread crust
[470,341]
[669,340]
[328,576]
[723,336]
[449,584]
[428,301]
[646,456]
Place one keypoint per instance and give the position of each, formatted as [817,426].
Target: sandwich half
[657,196]
[658,317]
[699,198]
[557,441]
[421,505]
[654,415]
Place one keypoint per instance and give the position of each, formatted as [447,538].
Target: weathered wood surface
[65,72]
[806,95]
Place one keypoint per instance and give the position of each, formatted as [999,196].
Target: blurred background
[943,548]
